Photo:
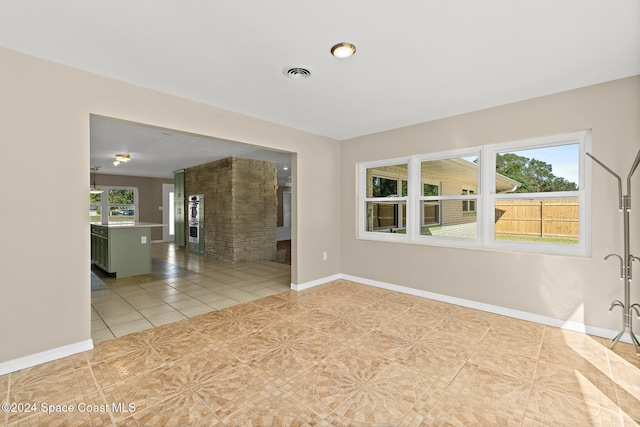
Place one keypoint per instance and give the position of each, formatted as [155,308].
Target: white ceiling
[416,60]
[157,152]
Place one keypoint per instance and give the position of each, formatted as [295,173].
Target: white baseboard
[517,314]
[44,356]
[317,282]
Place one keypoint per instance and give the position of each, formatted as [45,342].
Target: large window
[115,204]
[523,195]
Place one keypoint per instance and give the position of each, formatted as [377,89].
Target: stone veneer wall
[240,207]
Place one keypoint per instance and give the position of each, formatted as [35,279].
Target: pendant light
[94,189]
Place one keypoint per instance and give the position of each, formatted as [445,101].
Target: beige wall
[149,196]
[568,288]
[44,259]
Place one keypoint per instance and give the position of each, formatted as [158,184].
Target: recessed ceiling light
[343,50]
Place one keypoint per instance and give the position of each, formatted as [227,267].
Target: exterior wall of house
[240,207]
[451,212]
[567,288]
[44,263]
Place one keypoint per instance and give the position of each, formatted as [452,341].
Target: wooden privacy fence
[542,218]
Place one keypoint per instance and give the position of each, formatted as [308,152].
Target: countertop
[123,224]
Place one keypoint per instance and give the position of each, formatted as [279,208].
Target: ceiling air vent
[297,73]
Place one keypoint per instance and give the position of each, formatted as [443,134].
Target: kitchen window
[528,195]
[115,204]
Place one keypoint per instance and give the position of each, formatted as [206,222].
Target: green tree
[120,197]
[535,176]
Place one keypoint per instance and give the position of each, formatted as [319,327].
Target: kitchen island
[122,248]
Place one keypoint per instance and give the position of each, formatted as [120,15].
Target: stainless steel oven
[194,232]
[193,213]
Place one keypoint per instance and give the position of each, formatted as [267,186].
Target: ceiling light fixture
[343,50]
[121,158]
[93,189]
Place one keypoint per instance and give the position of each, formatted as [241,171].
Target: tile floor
[338,354]
[182,285]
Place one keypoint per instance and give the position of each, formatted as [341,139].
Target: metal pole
[626,261]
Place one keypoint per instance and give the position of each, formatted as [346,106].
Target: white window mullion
[413,206]
[488,185]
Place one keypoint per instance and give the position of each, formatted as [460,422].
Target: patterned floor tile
[438,307]
[201,365]
[90,410]
[128,366]
[514,343]
[408,332]
[439,355]
[110,349]
[387,399]
[518,328]
[173,346]
[229,391]
[291,359]
[473,328]
[563,346]
[550,408]
[184,409]
[338,354]
[270,411]
[491,355]
[404,300]
[421,317]
[381,343]
[480,397]
[583,381]
[629,402]
[57,389]
[325,386]
[145,391]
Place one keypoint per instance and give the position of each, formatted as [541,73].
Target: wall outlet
[324,256]
[143,240]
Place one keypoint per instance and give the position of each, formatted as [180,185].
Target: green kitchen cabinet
[122,250]
[178,184]
[179,208]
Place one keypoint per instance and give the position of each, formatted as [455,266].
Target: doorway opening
[181,284]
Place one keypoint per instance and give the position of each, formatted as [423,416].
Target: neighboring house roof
[467,171]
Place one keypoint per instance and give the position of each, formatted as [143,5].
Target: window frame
[484,197]
[446,240]
[363,200]
[583,247]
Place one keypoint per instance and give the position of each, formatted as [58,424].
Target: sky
[563,159]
